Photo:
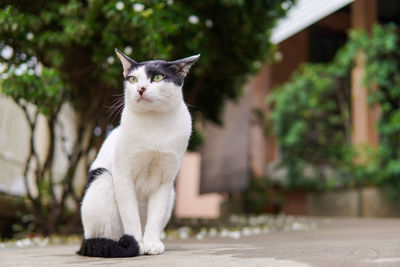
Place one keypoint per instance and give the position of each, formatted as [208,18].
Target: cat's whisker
[114,115]
[115,101]
[122,94]
[191,106]
[116,106]
[115,112]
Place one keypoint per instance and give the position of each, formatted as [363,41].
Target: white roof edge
[304,14]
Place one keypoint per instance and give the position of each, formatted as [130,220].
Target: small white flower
[138,7]
[193,19]
[297,226]
[246,231]
[38,69]
[44,242]
[110,60]
[23,68]
[256,231]
[119,5]
[29,36]
[212,232]
[7,52]
[199,236]
[36,240]
[128,50]
[26,242]
[224,233]
[170,2]
[285,5]
[209,23]
[3,67]
[234,234]
[183,232]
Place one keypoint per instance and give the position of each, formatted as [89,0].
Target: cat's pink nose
[141,90]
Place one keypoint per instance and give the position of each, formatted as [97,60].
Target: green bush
[257,196]
[312,117]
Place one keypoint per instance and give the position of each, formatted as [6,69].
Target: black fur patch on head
[163,68]
[127,246]
[93,174]
[173,71]
[156,67]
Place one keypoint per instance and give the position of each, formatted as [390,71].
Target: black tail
[127,246]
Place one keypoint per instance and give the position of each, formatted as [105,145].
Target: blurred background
[295,105]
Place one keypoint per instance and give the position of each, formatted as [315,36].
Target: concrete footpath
[335,242]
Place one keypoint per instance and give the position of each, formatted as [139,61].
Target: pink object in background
[189,203]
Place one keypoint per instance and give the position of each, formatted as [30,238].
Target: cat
[131,181]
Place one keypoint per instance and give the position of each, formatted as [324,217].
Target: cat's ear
[182,66]
[127,62]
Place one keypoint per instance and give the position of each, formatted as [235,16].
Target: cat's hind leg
[103,230]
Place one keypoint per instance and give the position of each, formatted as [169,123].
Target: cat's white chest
[150,152]
[150,169]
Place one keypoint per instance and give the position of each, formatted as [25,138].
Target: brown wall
[294,51]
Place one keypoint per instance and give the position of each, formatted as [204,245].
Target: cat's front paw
[153,247]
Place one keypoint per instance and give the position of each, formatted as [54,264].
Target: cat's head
[154,85]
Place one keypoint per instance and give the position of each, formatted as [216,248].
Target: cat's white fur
[143,156]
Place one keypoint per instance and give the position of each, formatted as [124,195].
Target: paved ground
[336,242]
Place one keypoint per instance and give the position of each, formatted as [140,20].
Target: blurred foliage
[261,196]
[312,118]
[45,91]
[76,41]
[256,197]
[383,69]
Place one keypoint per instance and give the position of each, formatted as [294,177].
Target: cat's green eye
[132,79]
[158,77]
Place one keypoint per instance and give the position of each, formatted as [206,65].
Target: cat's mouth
[143,98]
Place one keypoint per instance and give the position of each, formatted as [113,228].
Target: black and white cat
[130,192]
